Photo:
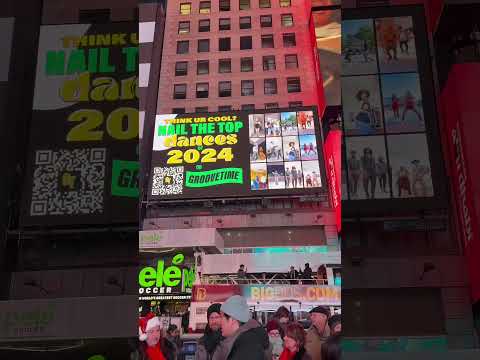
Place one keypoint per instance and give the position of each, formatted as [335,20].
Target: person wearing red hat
[275,335]
[153,345]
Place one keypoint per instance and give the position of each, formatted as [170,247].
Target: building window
[203,67]
[264,4]
[204,7]
[270,86]
[178,111]
[224,24]
[184,27]
[267,41]
[295,104]
[224,66]
[224,44]
[248,107]
[293,85]
[225,108]
[181,68]
[248,88]
[269,62]
[271,106]
[289,40]
[245,22]
[201,109]
[202,90]
[244,4]
[224,5]
[185,9]
[285,3]
[266,21]
[224,89]
[204,25]
[291,61]
[245,42]
[180,91]
[203,45]
[246,64]
[287,20]
[182,47]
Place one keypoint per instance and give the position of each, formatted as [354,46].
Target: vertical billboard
[237,154]
[389,115]
[82,164]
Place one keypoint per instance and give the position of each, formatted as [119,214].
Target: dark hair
[282,311]
[171,328]
[331,349]
[361,92]
[296,332]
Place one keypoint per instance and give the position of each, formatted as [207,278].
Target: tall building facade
[235,54]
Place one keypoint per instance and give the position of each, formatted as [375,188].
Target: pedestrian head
[234,313]
[173,331]
[214,317]
[331,349]
[362,94]
[242,266]
[319,316]
[294,338]
[282,315]
[335,324]
[273,328]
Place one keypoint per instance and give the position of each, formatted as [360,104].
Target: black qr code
[167,180]
[68,182]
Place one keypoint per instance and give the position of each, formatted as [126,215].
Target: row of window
[225,23]
[268,106]
[247,88]
[246,65]
[246,43]
[224,5]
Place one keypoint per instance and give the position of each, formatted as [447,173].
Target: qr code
[167,180]
[68,182]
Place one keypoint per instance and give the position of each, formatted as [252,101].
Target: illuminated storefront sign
[237,154]
[86,90]
[164,279]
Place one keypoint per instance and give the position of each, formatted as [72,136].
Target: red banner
[333,165]
[461,114]
[214,293]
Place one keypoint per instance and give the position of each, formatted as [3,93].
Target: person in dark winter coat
[331,349]
[245,338]
[153,346]
[294,343]
[212,337]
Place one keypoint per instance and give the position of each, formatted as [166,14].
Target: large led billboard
[82,164]
[237,154]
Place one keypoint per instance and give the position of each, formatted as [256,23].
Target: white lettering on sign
[461,173]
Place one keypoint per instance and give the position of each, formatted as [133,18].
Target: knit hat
[334,320]
[237,308]
[147,323]
[321,310]
[214,308]
[272,325]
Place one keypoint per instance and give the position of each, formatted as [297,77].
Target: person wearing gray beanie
[245,338]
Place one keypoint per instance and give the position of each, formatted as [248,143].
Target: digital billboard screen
[82,165]
[237,154]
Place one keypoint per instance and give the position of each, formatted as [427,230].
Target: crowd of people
[232,334]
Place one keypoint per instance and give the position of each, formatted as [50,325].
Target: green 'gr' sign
[125,178]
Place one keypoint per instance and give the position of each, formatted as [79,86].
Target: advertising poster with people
[411,174]
[362,105]
[359,55]
[367,167]
[237,154]
[396,44]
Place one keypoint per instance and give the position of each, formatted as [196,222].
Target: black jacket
[253,344]
[168,350]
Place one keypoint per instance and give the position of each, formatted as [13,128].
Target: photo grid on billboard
[383,122]
[283,151]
